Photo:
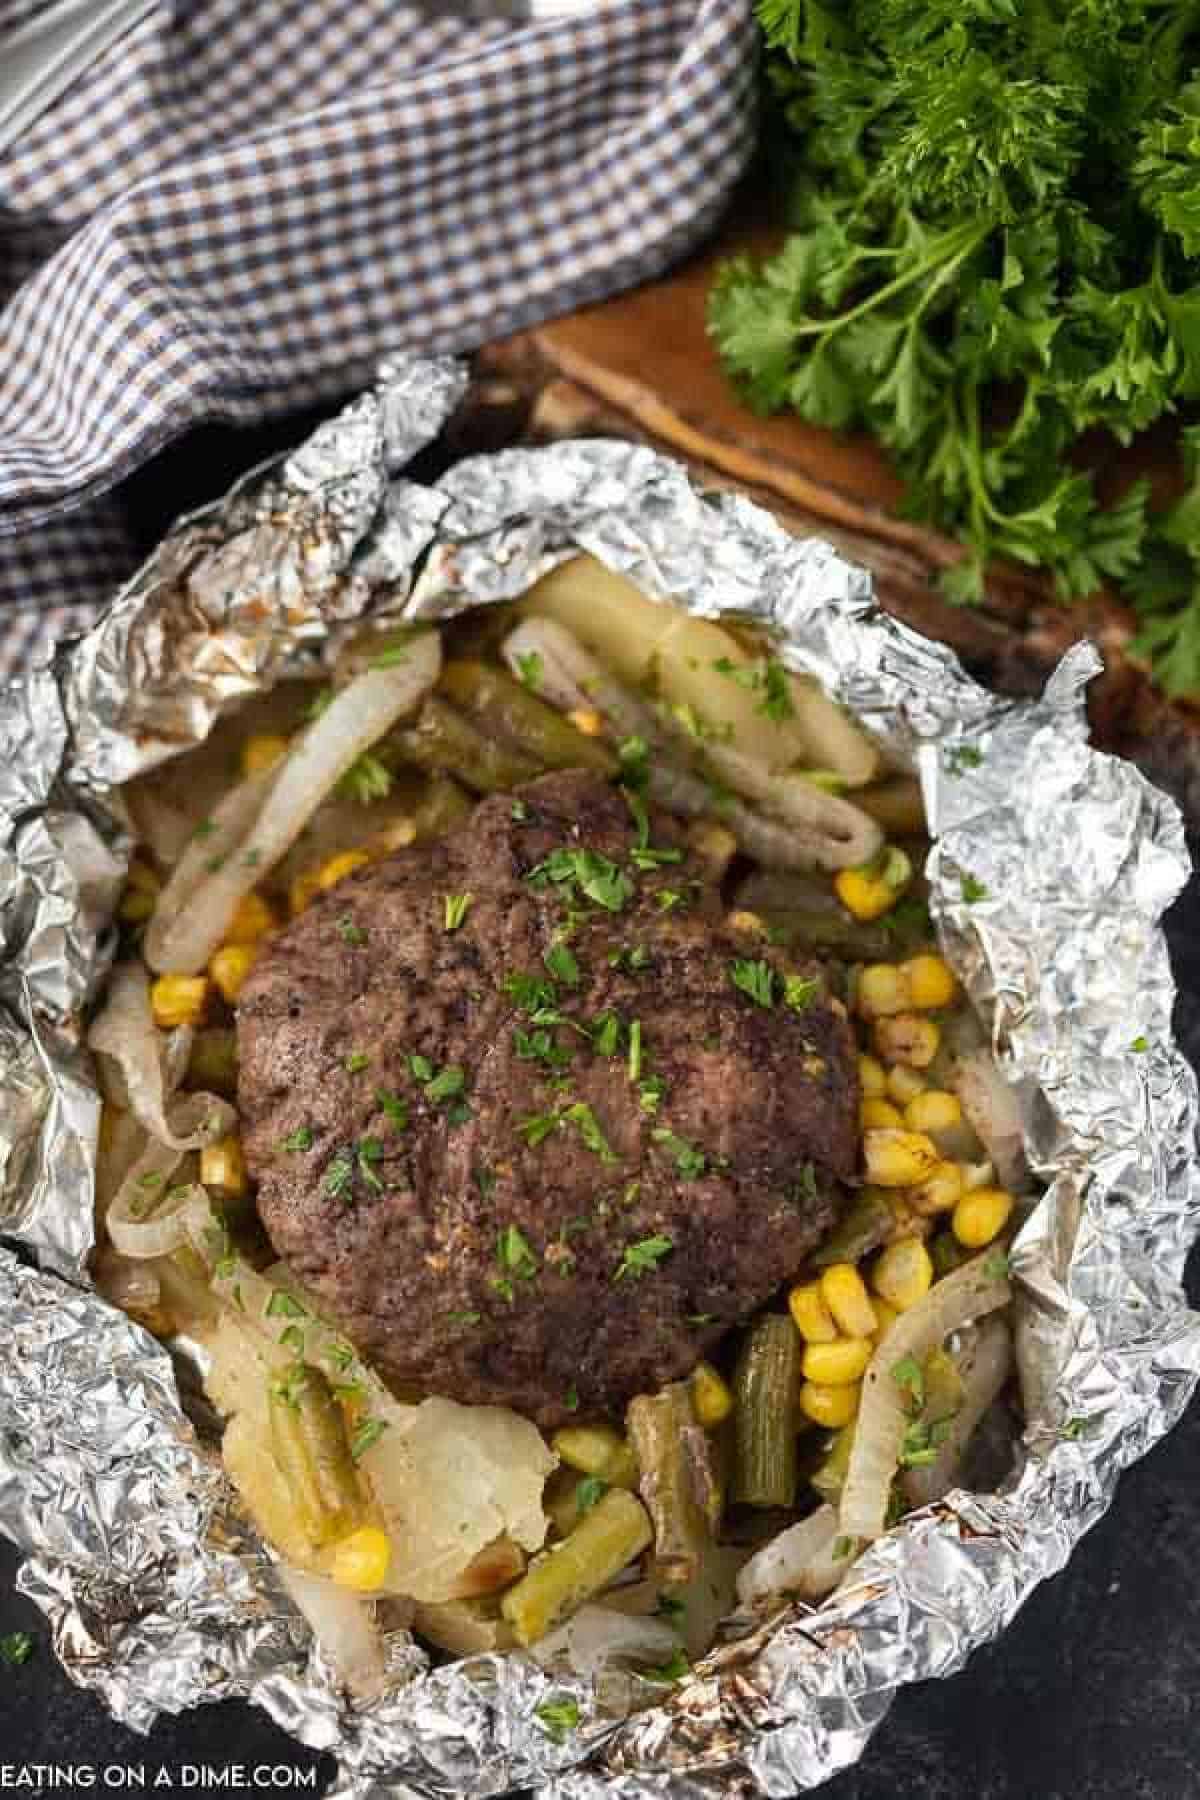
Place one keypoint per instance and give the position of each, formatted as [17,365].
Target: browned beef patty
[500,1207]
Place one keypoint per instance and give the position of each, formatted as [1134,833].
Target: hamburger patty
[515,1123]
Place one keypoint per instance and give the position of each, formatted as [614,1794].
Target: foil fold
[1051,869]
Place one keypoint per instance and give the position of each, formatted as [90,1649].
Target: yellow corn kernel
[871,1078]
[141,893]
[881,990]
[223,1166]
[303,890]
[981,1216]
[885,1316]
[253,917]
[931,982]
[361,1561]
[934,1110]
[338,867]
[907,1038]
[711,1398]
[587,720]
[875,1114]
[903,1273]
[748,923]
[262,752]
[810,1315]
[837,1365]
[870,891]
[844,1293]
[895,1159]
[941,1190]
[178,1000]
[230,966]
[831,1407]
[904,1084]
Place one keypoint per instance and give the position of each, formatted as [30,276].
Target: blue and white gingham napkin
[242,203]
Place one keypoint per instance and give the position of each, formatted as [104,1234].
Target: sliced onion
[836,834]
[167,829]
[133,1286]
[122,1141]
[145,1222]
[149,1066]
[597,1636]
[992,1111]
[343,1625]
[800,1562]
[225,829]
[985,1366]
[968,1293]
[182,941]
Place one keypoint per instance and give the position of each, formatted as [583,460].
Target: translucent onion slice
[146,1221]
[985,1366]
[223,831]
[799,1563]
[149,1066]
[968,1293]
[597,1636]
[184,937]
[837,834]
[343,1625]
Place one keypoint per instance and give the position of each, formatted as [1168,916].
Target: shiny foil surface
[1052,867]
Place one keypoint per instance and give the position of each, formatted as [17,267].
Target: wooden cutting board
[641,366]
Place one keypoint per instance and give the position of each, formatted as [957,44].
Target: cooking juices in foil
[1051,870]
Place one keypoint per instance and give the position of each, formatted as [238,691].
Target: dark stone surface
[1091,1695]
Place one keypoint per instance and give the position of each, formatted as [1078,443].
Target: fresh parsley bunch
[995,250]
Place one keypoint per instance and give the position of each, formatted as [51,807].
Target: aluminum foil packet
[1052,867]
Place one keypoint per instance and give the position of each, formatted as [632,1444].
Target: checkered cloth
[240,206]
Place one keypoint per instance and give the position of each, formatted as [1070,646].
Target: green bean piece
[442,740]
[607,1538]
[309,1440]
[828,1479]
[507,709]
[442,806]
[765,1385]
[838,934]
[212,1062]
[869,1223]
[597,1450]
[678,1479]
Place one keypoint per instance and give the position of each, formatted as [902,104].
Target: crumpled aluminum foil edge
[1052,867]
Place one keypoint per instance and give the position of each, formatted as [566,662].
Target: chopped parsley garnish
[799,992]
[534,995]
[529,668]
[519,812]
[701,1319]
[910,1379]
[960,758]
[674,1669]
[922,1442]
[366,779]
[370,1151]
[394,1108]
[455,909]
[151,1179]
[214,863]
[252,859]
[651,1089]
[558,1718]
[539,1046]
[645,1255]
[634,755]
[420,1067]
[1074,1429]
[606,1034]
[339,1176]
[596,876]
[571,1399]
[515,1256]
[447,1084]
[586,1123]
[356,1062]
[635,1050]
[667,899]
[464,1318]
[996,1265]
[843,1548]
[670,1606]
[538,1127]
[588,1491]
[293,1339]
[561,964]
[367,1435]
[392,655]
[768,679]
[972,889]
[349,932]
[205,828]
[283,1305]
[630,959]
[16,1647]
[804,1188]
[689,1162]
[756,979]
[1140,1045]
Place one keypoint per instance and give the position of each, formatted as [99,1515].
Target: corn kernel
[874,889]
[223,1166]
[810,1315]
[262,752]
[253,917]
[881,990]
[844,1293]
[711,1398]
[338,867]
[934,1110]
[587,1448]
[903,1273]
[898,1158]
[178,1000]
[873,1115]
[885,1316]
[837,1365]
[748,923]
[981,1216]
[871,1078]
[141,893]
[904,1084]
[587,720]
[831,1407]
[360,1562]
[303,891]
[230,966]
[907,1038]
[941,1190]
[931,982]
